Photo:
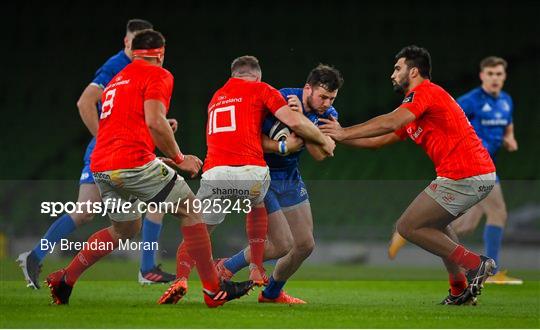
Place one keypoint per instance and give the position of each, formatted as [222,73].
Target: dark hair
[147,39]
[326,77]
[244,65]
[492,61]
[135,24]
[417,57]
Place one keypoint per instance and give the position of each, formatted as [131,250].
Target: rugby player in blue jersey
[89,105]
[489,109]
[290,222]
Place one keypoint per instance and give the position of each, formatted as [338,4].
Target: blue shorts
[286,189]
[86,174]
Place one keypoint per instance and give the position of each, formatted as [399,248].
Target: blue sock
[61,228]
[492,241]
[150,234]
[236,262]
[273,289]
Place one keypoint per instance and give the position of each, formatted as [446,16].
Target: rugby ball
[279,131]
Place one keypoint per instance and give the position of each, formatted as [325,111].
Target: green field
[338,296]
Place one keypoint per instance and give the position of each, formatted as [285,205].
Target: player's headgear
[148,43]
[416,57]
[326,77]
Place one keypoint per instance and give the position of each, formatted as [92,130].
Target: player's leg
[124,225]
[150,272]
[495,209]
[426,218]
[457,294]
[256,229]
[279,238]
[197,244]
[300,220]
[279,242]
[30,261]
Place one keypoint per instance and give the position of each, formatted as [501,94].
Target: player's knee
[404,229]
[127,230]
[81,218]
[283,246]
[305,247]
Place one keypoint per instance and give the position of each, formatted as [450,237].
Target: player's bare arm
[377,126]
[87,105]
[293,142]
[367,143]
[163,137]
[509,140]
[305,128]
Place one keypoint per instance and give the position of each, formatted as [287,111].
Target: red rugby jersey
[444,132]
[123,139]
[235,116]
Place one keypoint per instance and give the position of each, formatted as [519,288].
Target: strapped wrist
[179,158]
[282,147]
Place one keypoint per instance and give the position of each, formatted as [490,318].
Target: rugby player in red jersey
[132,123]
[465,172]
[234,168]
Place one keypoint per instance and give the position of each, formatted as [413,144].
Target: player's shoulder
[291,91]
[506,96]
[473,94]
[116,62]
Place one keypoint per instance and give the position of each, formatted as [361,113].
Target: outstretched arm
[380,125]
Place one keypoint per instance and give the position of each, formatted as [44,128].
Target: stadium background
[52,51]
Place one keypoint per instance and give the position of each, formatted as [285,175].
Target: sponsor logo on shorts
[303,191]
[231,192]
[485,188]
[103,177]
[448,197]
[255,190]
[164,170]
[433,186]
[85,175]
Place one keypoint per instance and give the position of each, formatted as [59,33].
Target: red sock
[184,263]
[256,228]
[458,283]
[101,244]
[198,246]
[464,258]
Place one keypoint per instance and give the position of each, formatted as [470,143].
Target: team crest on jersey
[505,106]
[409,98]
[486,108]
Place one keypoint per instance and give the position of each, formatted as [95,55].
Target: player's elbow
[391,124]
[153,124]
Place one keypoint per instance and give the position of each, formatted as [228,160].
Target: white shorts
[226,184]
[457,196]
[153,182]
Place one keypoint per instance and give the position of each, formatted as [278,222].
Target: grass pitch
[108,296]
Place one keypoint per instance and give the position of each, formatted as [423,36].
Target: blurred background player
[290,221]
[126,171]
[465,172]
[89,105]
[489,109]
[235,157]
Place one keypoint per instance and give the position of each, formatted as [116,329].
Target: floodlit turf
[338,296]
